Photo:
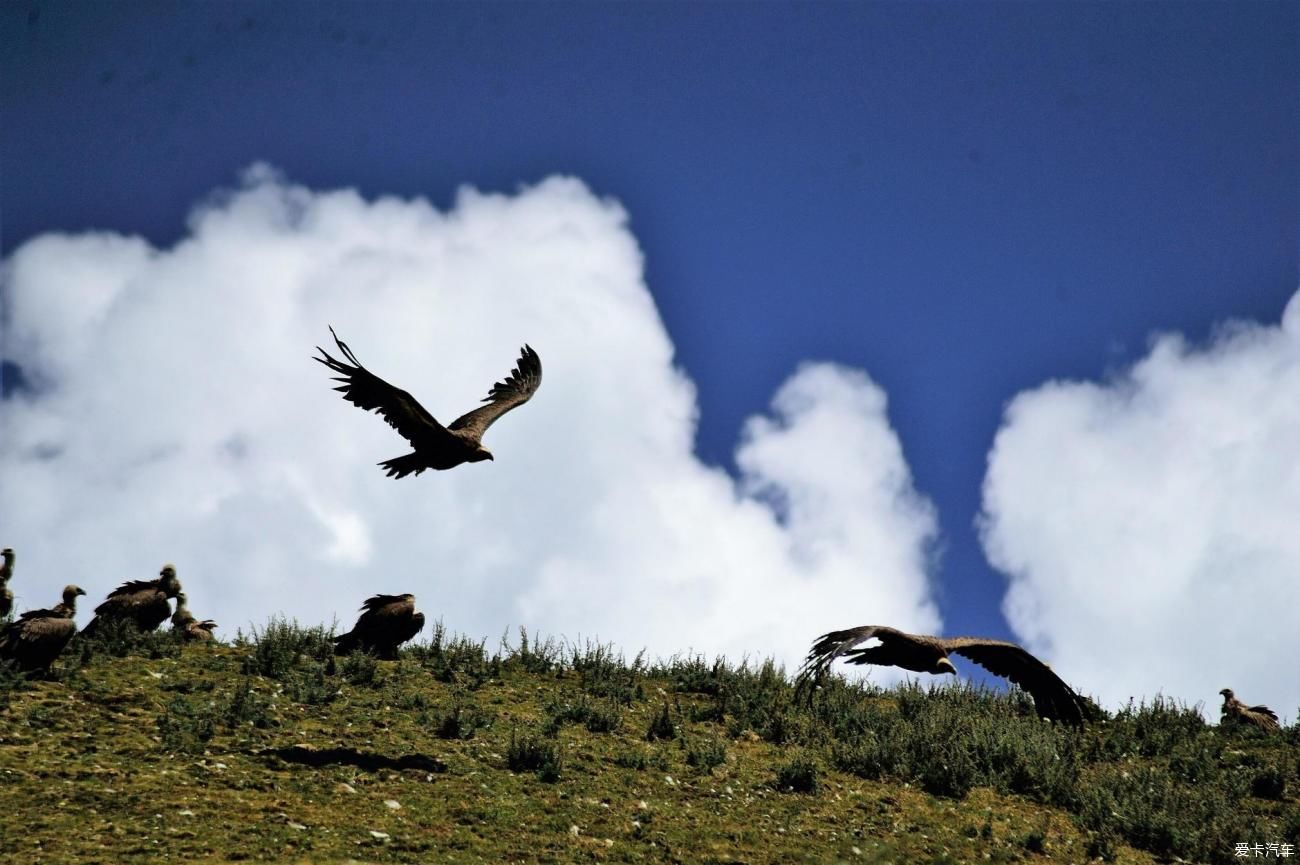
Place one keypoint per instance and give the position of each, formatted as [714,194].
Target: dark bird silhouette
[1236,712]
[386,622]
[921,654]
[190,628]
[142,602]
[436,447]
[6,572]
[35,639]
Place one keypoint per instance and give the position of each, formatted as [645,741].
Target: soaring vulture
[1236,712]
[6,571]
[190,628]
[143,602]
[436,446]
[36,638]
[386,622]
[1052,697]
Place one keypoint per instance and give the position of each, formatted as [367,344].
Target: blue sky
[965,201]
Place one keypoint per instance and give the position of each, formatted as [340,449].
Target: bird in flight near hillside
[435,446]
[1052,697]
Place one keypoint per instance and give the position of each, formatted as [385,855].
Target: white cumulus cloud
[1150,525]
[175,415]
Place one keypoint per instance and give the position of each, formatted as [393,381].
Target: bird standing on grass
[922,654]
[38,636]
[6,572]
[436,447]
[387,622]
[1236,712]
[142,602]
[190,628]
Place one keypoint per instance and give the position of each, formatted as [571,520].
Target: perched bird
[436,447]
[921,654]
[143,602]
[6,572]
[35,639]
[190,628]
[386,622]
[1236,712]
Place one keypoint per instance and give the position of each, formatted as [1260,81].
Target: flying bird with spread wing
[386,622]
[436,446]
[1236,712]
[922,654]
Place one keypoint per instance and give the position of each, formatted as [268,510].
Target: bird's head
[170,584]
[70,594]
[8,554]
[943,665]
[481,454]
[1227,693]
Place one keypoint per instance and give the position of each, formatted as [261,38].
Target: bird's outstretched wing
[516,390]
[834,645]
[380,602]
[1053,698]
[363,388]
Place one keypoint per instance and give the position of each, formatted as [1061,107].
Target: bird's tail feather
[400,467]
[345,644]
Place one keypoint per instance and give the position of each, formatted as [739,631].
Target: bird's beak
[494,459]
[81,591]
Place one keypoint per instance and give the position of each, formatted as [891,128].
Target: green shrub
[359,668]
[247,708]
[120,638]
[800,775]
[706,754]
[186,727]
[462,721]
[530,754]
[283,645]
[661,726]
[631,760]
[598,717]
[1269,783]
[603,673]
[534,657]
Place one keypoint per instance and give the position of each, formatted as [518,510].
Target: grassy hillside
[140,750]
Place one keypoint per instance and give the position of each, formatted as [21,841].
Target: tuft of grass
[121,639]
[186,727]
[636,759]
[799,775]
[661,726]
[531,754]
[1269,783]
[706,754]
[359,668]
[603,716]
[458,660]
[283,645]
[462,721]
[604,673]
[535,657]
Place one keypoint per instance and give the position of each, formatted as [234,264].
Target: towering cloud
[175,414]
[1150,524]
